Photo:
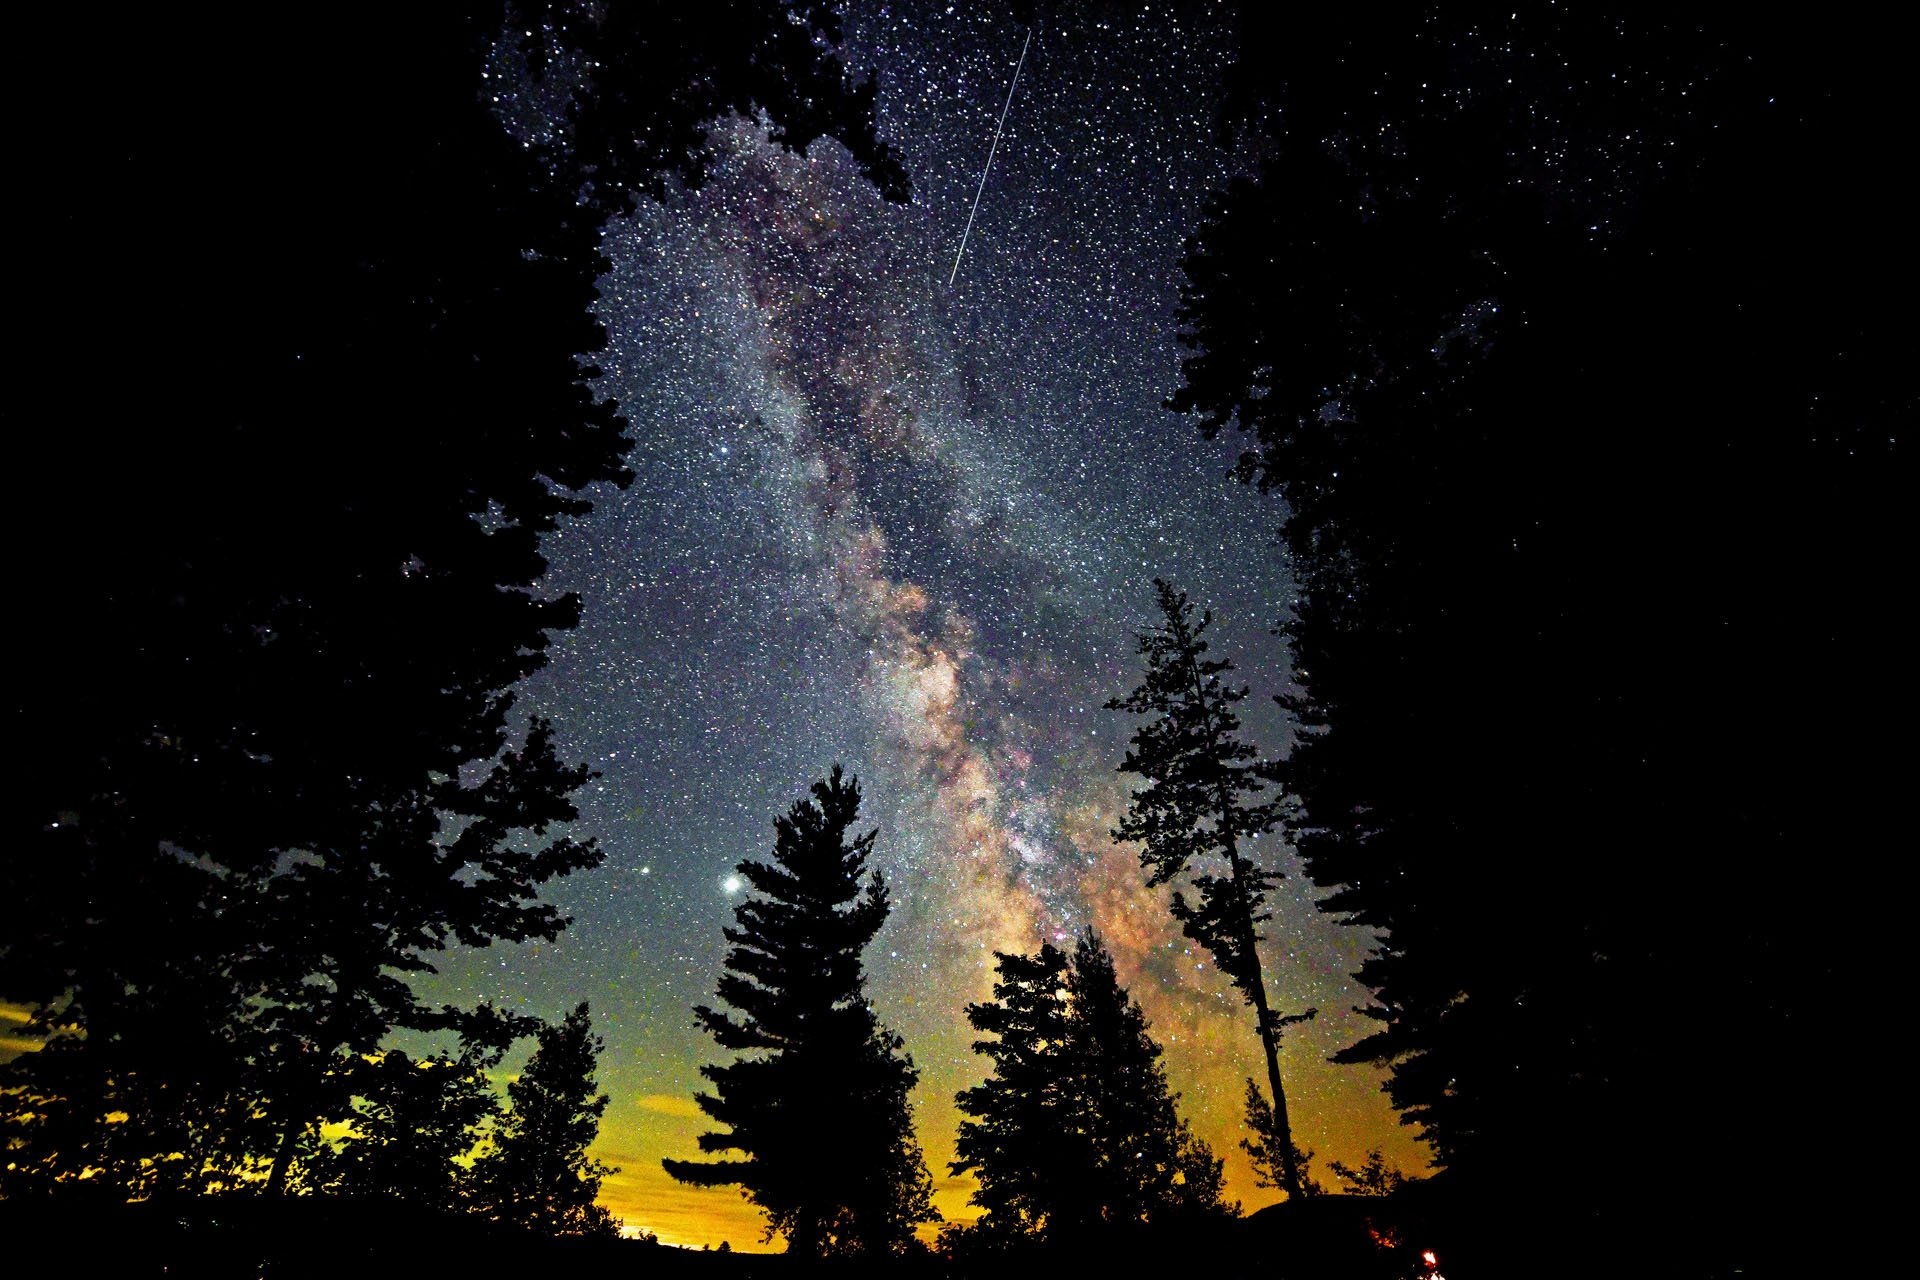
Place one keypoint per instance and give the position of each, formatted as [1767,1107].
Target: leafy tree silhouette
[1203,804]
[276,767]
[538,1174]
[414,1118]
[1075,1133]
[817,1103]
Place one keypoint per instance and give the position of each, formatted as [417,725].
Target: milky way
[913,528]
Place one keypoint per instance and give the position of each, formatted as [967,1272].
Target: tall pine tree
[816,1107]
[1076,1132]
[1205,802]
[1011,1138]
[1145,1165]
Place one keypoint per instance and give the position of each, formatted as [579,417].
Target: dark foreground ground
[233,1237]
[1331,1238]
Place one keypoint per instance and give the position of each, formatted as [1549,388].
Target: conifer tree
[1200,1181]
[1494,335]
[1012,1138]
[538,1174]
[1205,802]
[1263,1147]
[1076,1131]
[1375,1177]
[274,765]
[815,1109]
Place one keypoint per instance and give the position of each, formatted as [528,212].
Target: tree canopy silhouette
[1016,1116]
[295,574]
[816,1107]
[1075,1133]
[1562,335]
[537,1173]
[1206,802]
[414,1119]
[1374,1177]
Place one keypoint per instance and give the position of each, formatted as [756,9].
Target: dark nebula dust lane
[913,528]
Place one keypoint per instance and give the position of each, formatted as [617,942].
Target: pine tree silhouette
[538,1174]
[1375,1177]
[1202,804]
[1263,1148]
[1012,1138]
[1075,1133]
[817,1105]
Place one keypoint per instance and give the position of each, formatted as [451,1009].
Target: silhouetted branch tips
[1265,1150]
[1375,1177]
[1282,1022]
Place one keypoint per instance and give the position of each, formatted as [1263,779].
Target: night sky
[913,529]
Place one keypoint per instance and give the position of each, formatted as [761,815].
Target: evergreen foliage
[816,1109]
[537,1173]
[1263,1148]
[1011,1139]
[1375,1177]
[1199,1190]
[1565,336]
[1205,803]
[1075,1133]
[275,768]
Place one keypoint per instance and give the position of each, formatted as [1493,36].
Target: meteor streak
[1011,85]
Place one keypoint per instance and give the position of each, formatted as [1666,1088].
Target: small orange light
[1426,1256]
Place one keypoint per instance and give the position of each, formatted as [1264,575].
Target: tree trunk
[1256,980]
[1269,1034]
[283,1159]
[804,1239]
[304,1104]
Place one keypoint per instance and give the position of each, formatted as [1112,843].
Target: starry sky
[913,528]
